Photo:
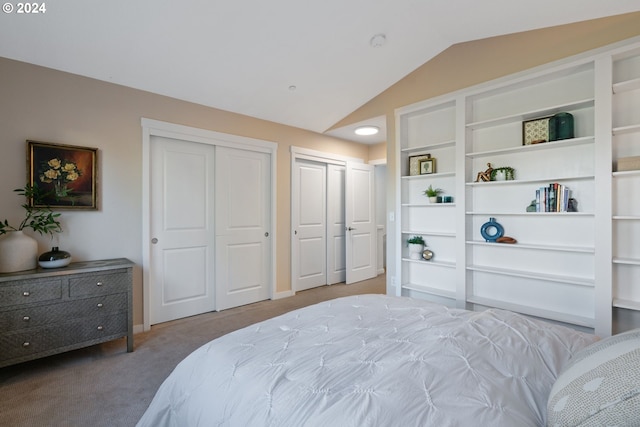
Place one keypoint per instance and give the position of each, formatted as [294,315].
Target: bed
[372,360]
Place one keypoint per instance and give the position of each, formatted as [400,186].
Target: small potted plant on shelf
[19,251]
[416,246]
[432,193]
[505,173]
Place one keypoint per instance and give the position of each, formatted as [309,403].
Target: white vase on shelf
[18,252]
[415,250]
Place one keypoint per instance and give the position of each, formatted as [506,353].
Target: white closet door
[182,231]
[336,266]
[361,237]
[243,227]
[310,224]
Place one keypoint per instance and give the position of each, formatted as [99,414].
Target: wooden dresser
[49,311]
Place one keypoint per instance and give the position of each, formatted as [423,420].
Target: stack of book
[553,198]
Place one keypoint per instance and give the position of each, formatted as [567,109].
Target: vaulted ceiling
[301,63]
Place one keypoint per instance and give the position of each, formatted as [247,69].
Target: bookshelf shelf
[570,280]
[532,114]
[627,304]
[428,147]
[532,311]
[519,245]
[443,293]
[626,86]
[523,149]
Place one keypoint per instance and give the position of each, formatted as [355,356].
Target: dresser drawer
[33,341]
[23,344]
[100,327]
[30,291]
[30,317]
[99,284]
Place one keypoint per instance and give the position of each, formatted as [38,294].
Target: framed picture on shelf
[427,166]
[66,173]
[535,131]
[414,163]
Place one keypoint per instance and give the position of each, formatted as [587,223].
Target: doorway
[334,231]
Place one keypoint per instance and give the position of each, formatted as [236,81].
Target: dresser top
[74,267]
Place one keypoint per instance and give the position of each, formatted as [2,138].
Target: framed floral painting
[65,174]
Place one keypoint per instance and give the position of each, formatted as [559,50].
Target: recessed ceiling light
[367,130]
[292,87]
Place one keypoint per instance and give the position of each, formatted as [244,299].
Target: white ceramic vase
[415,250]
[18,252]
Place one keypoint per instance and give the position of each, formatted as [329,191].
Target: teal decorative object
[532,206]
[561,126]
[491,230]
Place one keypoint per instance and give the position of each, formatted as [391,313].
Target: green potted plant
[505,173]
[432,193]
[18,251]
[416,246]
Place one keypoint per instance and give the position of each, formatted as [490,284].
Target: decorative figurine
[486,175]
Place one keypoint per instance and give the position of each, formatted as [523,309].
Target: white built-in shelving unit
[429,131]
[571,267]
[626,184]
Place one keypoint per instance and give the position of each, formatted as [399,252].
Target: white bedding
[371,360]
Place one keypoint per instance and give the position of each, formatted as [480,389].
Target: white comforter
[371,360]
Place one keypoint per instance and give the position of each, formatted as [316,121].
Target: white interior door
[309,190]
[182,251]
[243,227]
[336,265]
[361,255]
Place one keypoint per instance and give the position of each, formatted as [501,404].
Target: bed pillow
[600,386]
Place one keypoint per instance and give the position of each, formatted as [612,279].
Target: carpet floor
[103,385]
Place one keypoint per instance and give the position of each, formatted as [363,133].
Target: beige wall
[378,151]
[47,105]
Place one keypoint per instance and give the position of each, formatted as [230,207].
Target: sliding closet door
[243,227]
[182,230]
[336,245]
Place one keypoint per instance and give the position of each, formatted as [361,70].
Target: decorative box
[628,164]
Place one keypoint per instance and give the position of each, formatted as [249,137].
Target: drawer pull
[26,318]
[100,328]
[99,305]
[26,344]
[99,284]
[26,293]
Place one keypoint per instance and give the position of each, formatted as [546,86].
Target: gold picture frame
[66,173]
[427,166]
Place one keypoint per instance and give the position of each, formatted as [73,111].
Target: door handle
[350,228]
[154,240]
